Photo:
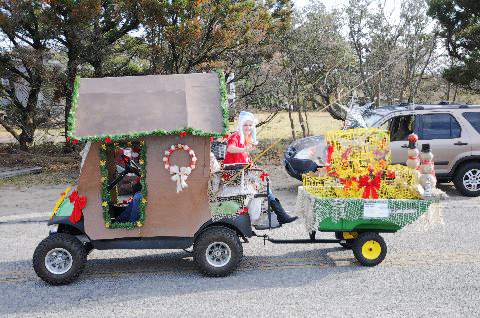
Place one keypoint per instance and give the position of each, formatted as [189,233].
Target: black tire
[468,171]
[369,249]
[217,240]
[348,245]
[88,247]
[59,244]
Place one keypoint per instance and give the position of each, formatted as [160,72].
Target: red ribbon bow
[371,186]
[79,203]
[183,134]
[263,175]
[329,151]
[108,139]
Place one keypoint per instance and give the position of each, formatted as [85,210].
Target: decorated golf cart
[145,172]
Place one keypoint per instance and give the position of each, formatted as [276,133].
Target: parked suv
[453,132]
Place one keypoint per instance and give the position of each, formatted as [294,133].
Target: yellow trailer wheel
[369,249]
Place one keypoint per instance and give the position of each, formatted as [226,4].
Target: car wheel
[217,251]
[369,249]
[59,259]
[348,245]
[467,179]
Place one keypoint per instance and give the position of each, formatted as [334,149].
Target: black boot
[282,216]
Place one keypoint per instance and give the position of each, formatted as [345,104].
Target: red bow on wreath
[371,186]
[79,203]
[263,175]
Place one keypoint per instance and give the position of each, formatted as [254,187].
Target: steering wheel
[131,165]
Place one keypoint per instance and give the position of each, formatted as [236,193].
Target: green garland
[223,100]
[137,135]
[71,122]
[104,179]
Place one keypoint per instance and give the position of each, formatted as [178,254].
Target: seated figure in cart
[239,145]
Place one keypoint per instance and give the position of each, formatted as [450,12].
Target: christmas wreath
[180,174]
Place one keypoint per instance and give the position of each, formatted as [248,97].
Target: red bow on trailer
[79,203]
[371,186]
[330,149]
[263,175]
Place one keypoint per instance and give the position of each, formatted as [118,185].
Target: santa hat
[242,118]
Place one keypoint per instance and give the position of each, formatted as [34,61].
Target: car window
[473,119]
[371,117]
[439,126]
[386,125]
[401,127]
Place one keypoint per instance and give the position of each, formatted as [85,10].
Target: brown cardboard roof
[118,106]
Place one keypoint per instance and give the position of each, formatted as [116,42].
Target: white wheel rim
[471,180]
[218,254]
[58,261]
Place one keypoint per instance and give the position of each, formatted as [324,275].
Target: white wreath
[180,174]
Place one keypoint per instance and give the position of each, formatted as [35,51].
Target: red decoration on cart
[79,203]
[108,139]
[371,186]
[263,175]
[329,152]
[183,134]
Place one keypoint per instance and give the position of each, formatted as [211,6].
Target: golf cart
[155,131]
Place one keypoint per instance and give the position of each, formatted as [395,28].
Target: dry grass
[60,168]
[278,133]
[279,127]
[44,178]
[41,136]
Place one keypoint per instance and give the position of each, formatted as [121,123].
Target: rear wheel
[369,249]
[59,259]
[217,251]
[467,179]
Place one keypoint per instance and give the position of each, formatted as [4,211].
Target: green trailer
[355,222]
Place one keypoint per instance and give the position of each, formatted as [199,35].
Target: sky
[337,4]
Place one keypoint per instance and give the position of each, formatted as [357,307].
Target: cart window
[123,186]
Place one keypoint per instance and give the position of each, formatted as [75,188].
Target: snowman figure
[427,179]
[413,162]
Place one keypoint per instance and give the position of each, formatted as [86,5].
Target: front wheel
[467,179]
[217,251]
[59,259]
[369,249]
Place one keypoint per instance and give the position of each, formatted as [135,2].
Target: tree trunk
[455,93]
[292,124]
[300,117]
[306,116]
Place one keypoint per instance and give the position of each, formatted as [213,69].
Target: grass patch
[61,168]
[44,178]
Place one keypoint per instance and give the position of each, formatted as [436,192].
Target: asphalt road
[429,271]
